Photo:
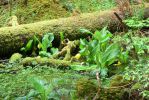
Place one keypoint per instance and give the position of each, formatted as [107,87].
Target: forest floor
[126,77]
[39,10]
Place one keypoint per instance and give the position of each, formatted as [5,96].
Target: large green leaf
[28,46]
[97,35]
[47,41]
[45,54]
[86,31]
[39,87]
[61,36]
[83,67]
[124,57]
[111,53]
[83,43]
[54,51]
[103,35]
[103,71]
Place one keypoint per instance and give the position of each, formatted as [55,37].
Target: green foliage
[99,51]
[138,46]
[133,44]
[123,57]
[45,44]
[47,41]
[41,88]
[49,9]
[20,85]
[62,36]
[136,23]
[141,45]
[15,57]
[86,88]
[139,12]
[145,94]
[35,45]
[55,90]
[31,45]
[28,46]
[54,51]
[98,43]
[44,54]
[83,67]
[138,72]
[93,5]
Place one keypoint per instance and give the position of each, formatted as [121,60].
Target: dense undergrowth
[38,10]
[115,65]
[103,66]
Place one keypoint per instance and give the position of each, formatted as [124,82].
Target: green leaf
[44,54]
[54,51]
[83,68]
[28,46]
[111,54]
[103,35]
[124,57]
[99,59]
[39,87]
[22,49]
[83,43]
[35,39]
[61,36]
[97,35]
[103,72]
[47,41]
[86,31]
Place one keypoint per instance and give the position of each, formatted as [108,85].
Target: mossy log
[13,38]
[32,61]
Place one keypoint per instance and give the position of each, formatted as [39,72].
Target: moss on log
[13,38]
[32,61]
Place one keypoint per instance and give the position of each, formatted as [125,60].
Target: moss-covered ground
[128,81]
[39,10]
[14,85]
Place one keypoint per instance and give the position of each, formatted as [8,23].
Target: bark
[13,38]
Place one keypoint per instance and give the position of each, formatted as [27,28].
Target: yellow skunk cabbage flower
[39,46]
[77,56]
[118,64]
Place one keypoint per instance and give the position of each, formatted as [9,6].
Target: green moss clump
[86,88]
[15,57]
[36,10]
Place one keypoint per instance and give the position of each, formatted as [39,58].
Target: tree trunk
[13,38]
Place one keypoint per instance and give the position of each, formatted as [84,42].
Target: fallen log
[13,38]
[33,61]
